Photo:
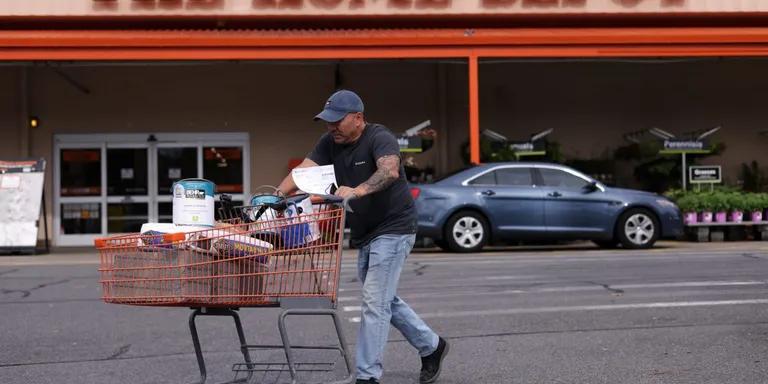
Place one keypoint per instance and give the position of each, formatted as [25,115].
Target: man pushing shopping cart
[366,160]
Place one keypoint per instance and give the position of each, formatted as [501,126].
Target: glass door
[78,211]
[175,161]
[128,187]
[224,165]
[114,183]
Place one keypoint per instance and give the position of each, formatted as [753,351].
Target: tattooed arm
[387,172]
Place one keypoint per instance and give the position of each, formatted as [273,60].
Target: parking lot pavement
[680,313]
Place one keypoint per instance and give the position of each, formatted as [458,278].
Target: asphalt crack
[27,292]
[419,271]
[24,293]
[614,291]
[8,271]
[751,256]
[120,351]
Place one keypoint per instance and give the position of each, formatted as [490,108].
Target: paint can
[193,202]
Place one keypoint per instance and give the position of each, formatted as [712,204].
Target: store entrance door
[111,184]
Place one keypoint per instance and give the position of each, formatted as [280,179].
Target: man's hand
[346,192]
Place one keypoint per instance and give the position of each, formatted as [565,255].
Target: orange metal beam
[474,111]
[383,37]
[363,44]
[335,53]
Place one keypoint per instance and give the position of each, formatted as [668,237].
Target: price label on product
[10,181]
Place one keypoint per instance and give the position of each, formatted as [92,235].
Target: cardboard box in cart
[238,280]
[182,276]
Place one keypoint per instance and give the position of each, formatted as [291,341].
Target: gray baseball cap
[339,105]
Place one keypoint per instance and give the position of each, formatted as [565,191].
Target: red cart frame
[256,257]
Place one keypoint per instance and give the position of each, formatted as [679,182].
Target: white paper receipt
[317,180]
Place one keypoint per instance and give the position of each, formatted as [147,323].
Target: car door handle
[555,194]
[488,192]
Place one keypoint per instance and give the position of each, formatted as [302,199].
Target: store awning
[379,43]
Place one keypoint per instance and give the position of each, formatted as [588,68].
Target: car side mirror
[591,187]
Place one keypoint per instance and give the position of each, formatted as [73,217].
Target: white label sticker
[126,173]
[174,173]
[10,181]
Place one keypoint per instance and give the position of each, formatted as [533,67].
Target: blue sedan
[503,202]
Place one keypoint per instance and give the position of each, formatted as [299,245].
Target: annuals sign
[371,7]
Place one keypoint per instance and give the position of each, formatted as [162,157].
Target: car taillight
[415,192]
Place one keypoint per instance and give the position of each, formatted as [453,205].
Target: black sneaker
[369,381]
[431,365]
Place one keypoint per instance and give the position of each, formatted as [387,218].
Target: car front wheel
[638,229]
[466,231]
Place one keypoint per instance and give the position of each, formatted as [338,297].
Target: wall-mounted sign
[528,148]
[705,174]
[685,146]
[410,144]
[75,8]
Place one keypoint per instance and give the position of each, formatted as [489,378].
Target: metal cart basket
[284,253]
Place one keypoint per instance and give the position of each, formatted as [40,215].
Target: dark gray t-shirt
[389,211]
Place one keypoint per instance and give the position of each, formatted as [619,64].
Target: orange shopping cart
[283,253]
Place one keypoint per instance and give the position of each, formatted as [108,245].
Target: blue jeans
[378,265]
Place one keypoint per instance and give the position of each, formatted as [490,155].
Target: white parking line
[581,288]
[517,311]
[545,259]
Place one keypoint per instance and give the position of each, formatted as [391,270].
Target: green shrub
[761,201]
[737,202]
[717,201]
[687,203]
[676,194]
[751,202]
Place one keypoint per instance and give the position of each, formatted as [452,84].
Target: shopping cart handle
[333,199]
[346,205]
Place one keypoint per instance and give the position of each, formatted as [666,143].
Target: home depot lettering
[572,3]
[280,4]
[441,4]
[352,4]
[362,5]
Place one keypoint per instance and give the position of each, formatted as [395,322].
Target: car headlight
[666,203]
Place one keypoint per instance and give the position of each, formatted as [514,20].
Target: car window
[486,179]
[518,177]
[558,178]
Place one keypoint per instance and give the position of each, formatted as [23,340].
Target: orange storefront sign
[31,8]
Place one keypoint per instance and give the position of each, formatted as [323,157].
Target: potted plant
[706,206]
[689,205]
[762,200]
[720,206]
[737,203]
[754,206]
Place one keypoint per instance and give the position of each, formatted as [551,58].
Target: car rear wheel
[466,231]
[638,228]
